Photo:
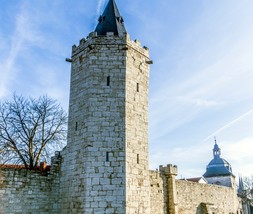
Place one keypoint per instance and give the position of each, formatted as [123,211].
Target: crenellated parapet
[93,40]
[169,170]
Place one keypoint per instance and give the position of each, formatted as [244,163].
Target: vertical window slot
[138,158]
[80,59]
[137,87]
[76,126]
[108,81]
[107,156]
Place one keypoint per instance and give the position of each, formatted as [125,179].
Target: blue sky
[201,82]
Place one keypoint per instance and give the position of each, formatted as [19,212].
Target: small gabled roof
[111,21]
[198,180]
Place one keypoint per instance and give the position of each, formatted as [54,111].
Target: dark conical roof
[111,21]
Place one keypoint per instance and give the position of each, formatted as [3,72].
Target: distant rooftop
[43,167]
[197,180]
[218,166]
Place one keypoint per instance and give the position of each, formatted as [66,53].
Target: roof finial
[216,149]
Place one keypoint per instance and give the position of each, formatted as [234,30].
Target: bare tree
[248,187]
[30,129]
[245,192]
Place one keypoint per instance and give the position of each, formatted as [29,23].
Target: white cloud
[240,149]
[23,35]
[8,63]
[199,102]
[215,86]
[239,154]
[100,6]
[191,160]
[233,122]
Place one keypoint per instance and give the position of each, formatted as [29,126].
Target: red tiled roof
[13,166]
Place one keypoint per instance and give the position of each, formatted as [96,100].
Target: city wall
[158,192]
[29,191]
[168,195]
[37,191]
[196,198]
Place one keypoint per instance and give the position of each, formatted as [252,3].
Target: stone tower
[105,163]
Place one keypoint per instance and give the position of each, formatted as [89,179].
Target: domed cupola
[218,166]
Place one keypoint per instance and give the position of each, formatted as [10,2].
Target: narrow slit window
[107,156]
[108,81]
[137,87]
[138,158]
[76,126]
[80,59]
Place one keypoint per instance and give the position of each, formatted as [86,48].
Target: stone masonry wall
[25,191]
[137,166]
[158,193]
[194,198]
[105,163]
[30,191]
[93,169]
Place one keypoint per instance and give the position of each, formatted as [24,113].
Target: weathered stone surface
[194,197]
[107,151]
[190,197]
[26,191]
[158,193]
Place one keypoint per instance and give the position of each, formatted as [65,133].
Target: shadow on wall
[1,179]
[204,208]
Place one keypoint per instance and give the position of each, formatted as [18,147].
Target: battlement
[135,44]
[93,39]
[169,169]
